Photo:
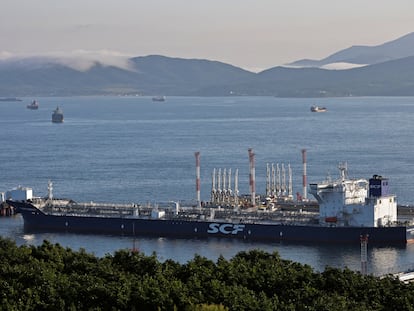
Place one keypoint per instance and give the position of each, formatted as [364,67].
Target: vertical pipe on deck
[213,186]
[304,182]
[252,178]
[197,156]
[236,188]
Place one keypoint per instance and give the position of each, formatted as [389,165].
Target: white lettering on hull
[225,228]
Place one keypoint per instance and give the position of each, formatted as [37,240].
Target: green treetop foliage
[50,277]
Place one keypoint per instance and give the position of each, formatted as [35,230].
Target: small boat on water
[57,116]
[34,105]
[159,99]
[318,109]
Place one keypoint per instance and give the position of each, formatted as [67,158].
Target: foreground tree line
[50,277]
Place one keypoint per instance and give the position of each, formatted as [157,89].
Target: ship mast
[343,168]
[49,190]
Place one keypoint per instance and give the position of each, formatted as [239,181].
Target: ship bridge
[347,202]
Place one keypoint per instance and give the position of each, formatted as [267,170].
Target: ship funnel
[378,186]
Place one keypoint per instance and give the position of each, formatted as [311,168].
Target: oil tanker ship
[349,209]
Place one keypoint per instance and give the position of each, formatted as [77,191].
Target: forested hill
[50,277]
[159,75]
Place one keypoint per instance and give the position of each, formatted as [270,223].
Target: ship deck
[294,213]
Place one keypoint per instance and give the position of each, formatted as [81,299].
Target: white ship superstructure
[355,202]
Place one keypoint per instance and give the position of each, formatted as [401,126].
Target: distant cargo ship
[34,105]
[57,116]
[348,210]
[318,109]
[159,98]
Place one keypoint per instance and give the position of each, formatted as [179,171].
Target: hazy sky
[252,34]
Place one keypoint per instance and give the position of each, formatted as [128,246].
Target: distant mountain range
[388,71]
[365,55]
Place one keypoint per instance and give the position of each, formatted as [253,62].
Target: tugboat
[34,105]
[57,116]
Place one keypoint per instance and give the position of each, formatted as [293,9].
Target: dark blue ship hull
[36,220]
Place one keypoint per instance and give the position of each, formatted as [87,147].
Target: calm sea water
[130,149]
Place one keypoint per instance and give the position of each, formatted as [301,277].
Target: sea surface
[131,149]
